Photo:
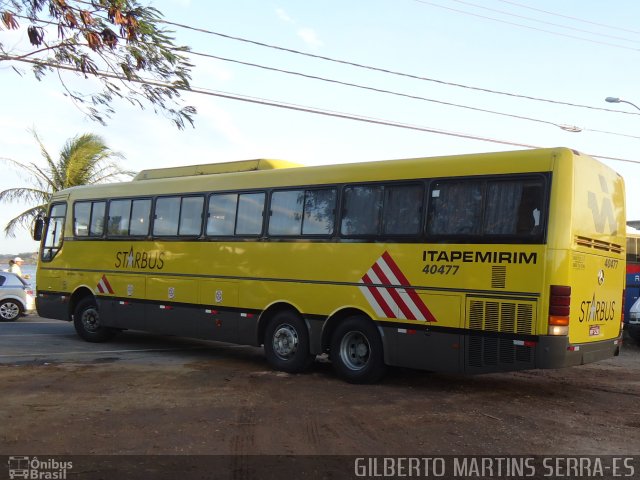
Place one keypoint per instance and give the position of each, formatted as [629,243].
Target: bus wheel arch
[356,349]
[285,336]
[76,297]
[86,320]
[334,320]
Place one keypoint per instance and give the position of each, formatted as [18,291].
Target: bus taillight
[559,309]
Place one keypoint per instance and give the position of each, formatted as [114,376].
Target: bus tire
[86,320]
[286,343]
[356,351]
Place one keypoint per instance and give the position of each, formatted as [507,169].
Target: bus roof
[214,168]
[264,173]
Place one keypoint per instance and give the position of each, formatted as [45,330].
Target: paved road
[35,340]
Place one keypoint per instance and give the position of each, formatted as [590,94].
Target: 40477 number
[440,269]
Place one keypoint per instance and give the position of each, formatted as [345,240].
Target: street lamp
[618,100]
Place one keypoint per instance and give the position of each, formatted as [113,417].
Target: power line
[392,72]
[569,128]
[289,106]
[569,17]
[531,19]
[464,12]
[390,92]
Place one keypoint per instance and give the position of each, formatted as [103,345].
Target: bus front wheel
[356,351]
[86,320]
[286,343]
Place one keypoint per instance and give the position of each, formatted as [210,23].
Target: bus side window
[167,215]
[81,218]
[250,214]
[286,212]
[302,212]
[88,219]
[455,208]
[362,206]
[119,214]
[319,212]
[221,217]
[96,226]
[513,207]
[530,211]
[402,210]
[140,213]
[191,216]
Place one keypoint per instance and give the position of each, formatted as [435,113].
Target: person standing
[16,268]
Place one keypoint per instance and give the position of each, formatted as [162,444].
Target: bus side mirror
[38,226]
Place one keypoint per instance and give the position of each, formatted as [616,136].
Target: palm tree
[84,160]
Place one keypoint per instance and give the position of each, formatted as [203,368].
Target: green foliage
[83,160]
[118,41]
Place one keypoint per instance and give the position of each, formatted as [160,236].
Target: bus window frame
[91,201]
[302,236]
[381,236]
[45,236]
[106,234]
[236,236]
[177,236]
[538,238]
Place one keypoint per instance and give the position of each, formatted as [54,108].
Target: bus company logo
[153,260]
[104,286]
[33,468]
[595,310]
[389,293]
[602,214]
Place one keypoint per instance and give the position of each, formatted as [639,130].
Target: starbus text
[597,311]
[140,260]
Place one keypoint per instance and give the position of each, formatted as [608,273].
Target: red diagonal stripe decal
[410,291]
[393,292]
[381,302]
[107,284]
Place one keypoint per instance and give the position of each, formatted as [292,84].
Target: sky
[574,51]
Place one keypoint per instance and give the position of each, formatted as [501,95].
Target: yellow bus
[472,263]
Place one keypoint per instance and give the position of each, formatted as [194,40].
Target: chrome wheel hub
[285,341]
[355,350]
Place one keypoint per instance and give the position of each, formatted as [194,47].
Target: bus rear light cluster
[559,309]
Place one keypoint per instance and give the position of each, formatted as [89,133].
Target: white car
[16,297]
[632,322]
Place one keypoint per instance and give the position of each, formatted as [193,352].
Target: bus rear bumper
[557,352]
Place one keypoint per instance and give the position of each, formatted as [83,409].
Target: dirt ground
[143,394]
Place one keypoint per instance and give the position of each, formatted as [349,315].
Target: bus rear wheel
[356,351]
[86,320]
[286,343]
